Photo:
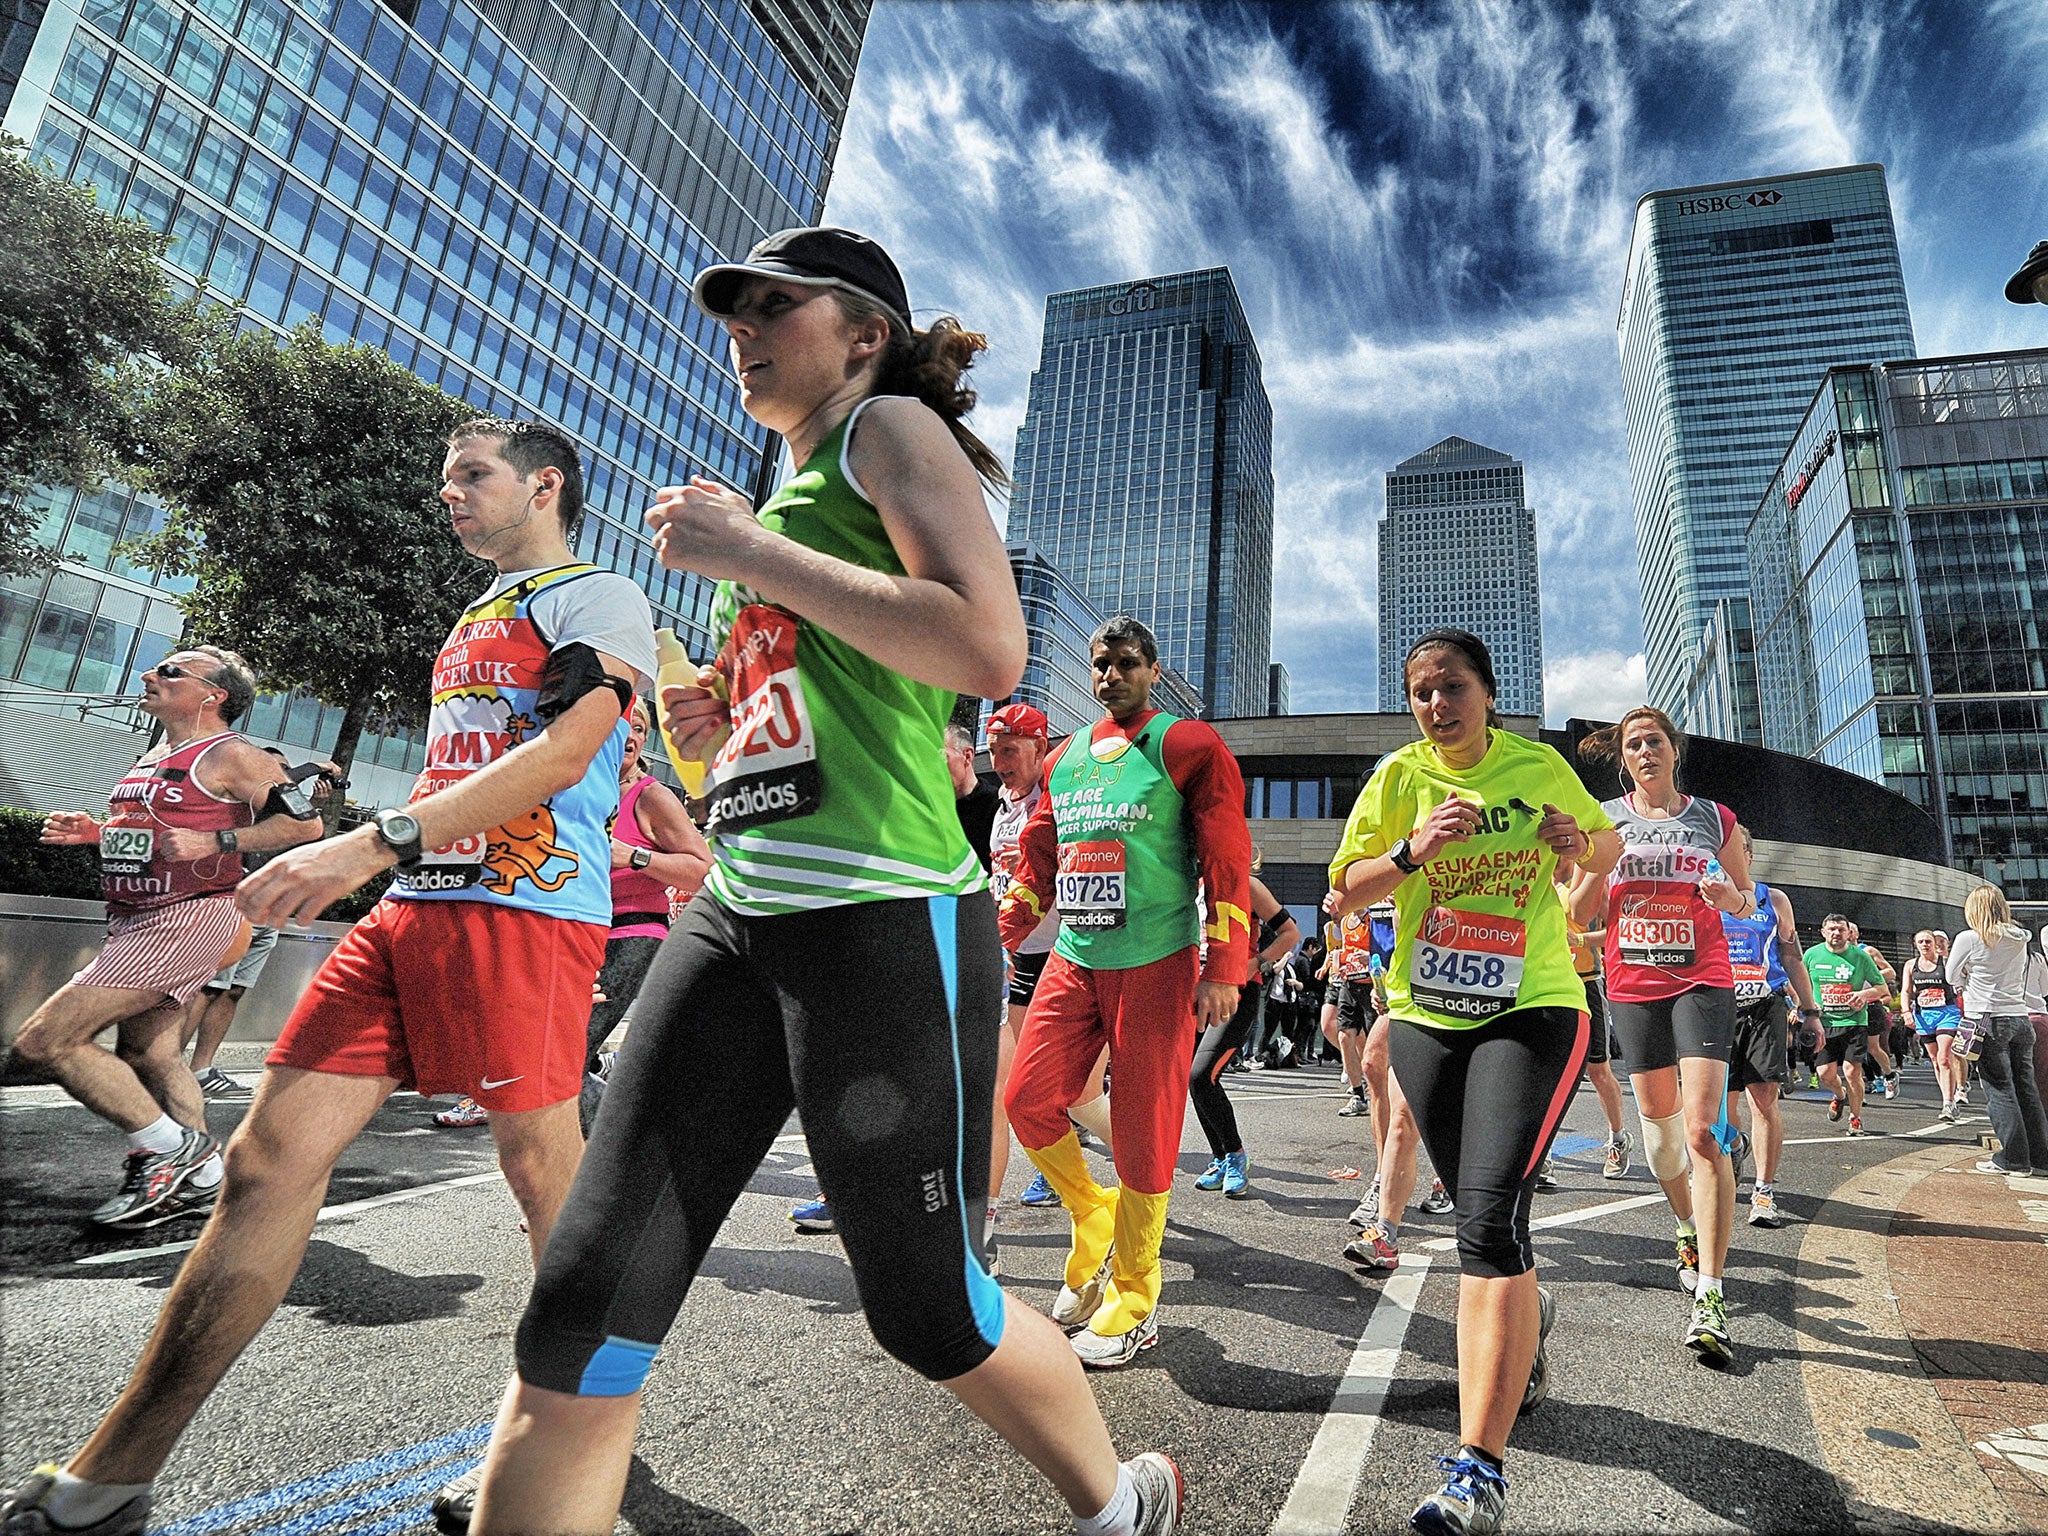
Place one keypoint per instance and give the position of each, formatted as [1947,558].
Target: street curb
[1858,1381]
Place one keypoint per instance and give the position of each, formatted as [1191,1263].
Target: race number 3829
[126,850]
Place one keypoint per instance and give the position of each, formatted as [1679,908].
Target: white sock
[211,1172]
[162,1134]
[1707,1283]
[1093,1117]
[1119,1517]
[74,1501]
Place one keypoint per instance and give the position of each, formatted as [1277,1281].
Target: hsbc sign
[1731,202]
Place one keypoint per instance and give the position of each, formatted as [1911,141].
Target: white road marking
[1320,1499]
[1926,1130]
[1562,1219]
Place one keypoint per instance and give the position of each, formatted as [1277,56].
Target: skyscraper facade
[1902,565]
[1458,546]
[1144,471]
[1738,297]
[508,196]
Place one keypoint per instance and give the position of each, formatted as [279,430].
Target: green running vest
[833,787]
[1125,886]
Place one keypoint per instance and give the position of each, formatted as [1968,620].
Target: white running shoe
[22,1511]
[1074,1308]
[1161,1493]
[1105,1352]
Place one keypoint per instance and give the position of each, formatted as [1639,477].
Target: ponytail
[928,365]
[1604,746]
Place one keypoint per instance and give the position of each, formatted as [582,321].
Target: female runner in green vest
[841,958]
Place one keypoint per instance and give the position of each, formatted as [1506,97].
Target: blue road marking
[1571,1146]
[413,1491]
[329,1483]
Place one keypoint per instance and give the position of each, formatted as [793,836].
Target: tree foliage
[301,483]
[85,315]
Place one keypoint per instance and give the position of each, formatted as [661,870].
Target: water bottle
[675,669]
[1714,870]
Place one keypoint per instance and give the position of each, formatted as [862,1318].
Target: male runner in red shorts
[472,977]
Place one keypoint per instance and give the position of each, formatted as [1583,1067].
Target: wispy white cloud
[1595,685]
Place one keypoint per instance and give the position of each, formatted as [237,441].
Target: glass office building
[1738,297]
[1458,546]
[1277,690]
[1144,471]
[1898,592]
[508,196]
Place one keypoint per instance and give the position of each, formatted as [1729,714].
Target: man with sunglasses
[171,850]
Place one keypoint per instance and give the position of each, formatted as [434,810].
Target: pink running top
[639,901]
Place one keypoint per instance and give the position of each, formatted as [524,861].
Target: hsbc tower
[1738,299]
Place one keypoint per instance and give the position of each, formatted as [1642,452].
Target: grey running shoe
[1763,1208]
[22,1512]
[1616,1166]
[216,1084]
[1438,1201]
[187,1201]
[1105,1352]
[1947,1112]
[1546,1176]
[1539,1373]
[1161,1493]
[1354,1105]
[991,1259]
[1073,1308]
[1367,1211]
[1472,1502]
[1740,1155]
[152,1178]
[1373,1250]
[455,1504]
[1708,1335]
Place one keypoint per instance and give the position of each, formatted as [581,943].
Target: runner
[1133,818]
[1490,1030]
[1586,945]
[1764,956]
[1931,1006]
[170,857]
[1847,980]
[841,958]
[1878,1018]
[474,973]
[1671,994]
[1348,1012]
[1278,934]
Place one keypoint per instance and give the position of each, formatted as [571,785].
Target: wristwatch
[641,858]
[401,833]
[226,841]
[1398,857]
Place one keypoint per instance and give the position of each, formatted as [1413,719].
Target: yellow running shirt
[1480,929]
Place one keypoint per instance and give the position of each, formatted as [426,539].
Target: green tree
[301,483]
[85,318]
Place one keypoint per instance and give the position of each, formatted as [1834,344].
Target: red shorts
[453,997]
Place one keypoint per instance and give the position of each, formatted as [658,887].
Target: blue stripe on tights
[984,1296]
[617,1369]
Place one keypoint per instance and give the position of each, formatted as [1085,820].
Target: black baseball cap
[822,257]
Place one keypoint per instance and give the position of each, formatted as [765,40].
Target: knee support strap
[1664,1145]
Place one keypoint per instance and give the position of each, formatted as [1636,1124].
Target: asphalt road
[772,1410]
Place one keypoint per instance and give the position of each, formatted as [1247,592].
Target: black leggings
[1205,1078]
[1489,1099]
[873,1022]
[625,970]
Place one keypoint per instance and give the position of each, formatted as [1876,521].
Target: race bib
[1089,887]
[1467,965]
[1354,960]
[1932,997]
[126,850]
[767,770]
[1003,864]
[456,867]
[1752,982]
[1653,932]
[1835,998]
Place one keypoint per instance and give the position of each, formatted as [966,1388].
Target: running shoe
[1373,1250]
[1708,1335]
[1354,1105]
[216,1084]
[1539,1373]
[1855,1125]
[1835,1107]
[1038,1192]
[1161,1493]
[187,1200]
[1963,1098]
[1072,1309]
[1211,1177]
[455,1504]
[1106,1353]
[1618,1147]
[1367,1211]
[1472,1502]
[22,1512]
[1763,1208]
[812,1215]
[1546,1177]
[1438,1201]
[1236,1184]
[1991,1166]
[1740,1155]
[991,1260]
[151,1178]
[1947,1112]
[462,1113]
[1891,1086]
[1688,1245]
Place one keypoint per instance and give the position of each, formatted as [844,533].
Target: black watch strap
[407,848]
[641,858]
[1398,854]
[226,840]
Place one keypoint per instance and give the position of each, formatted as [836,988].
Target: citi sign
[1731,202]
[1135,299]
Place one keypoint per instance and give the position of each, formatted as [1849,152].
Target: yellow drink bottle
[674,669]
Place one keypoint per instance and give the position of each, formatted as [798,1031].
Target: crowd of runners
[1493,934]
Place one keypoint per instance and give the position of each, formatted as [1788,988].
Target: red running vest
[150,798]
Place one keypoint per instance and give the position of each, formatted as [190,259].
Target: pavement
[1891,1369]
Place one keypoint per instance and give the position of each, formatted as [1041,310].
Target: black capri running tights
[1213,1051]
[872,1022]
[1489,1099]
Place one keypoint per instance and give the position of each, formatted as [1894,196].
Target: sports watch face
[398,827]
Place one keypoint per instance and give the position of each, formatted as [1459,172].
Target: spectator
[1988,965]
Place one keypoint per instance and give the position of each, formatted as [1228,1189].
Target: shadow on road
[651,1510]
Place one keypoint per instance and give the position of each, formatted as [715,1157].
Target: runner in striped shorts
[171,851]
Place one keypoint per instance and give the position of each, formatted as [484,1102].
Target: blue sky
[1427,210]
